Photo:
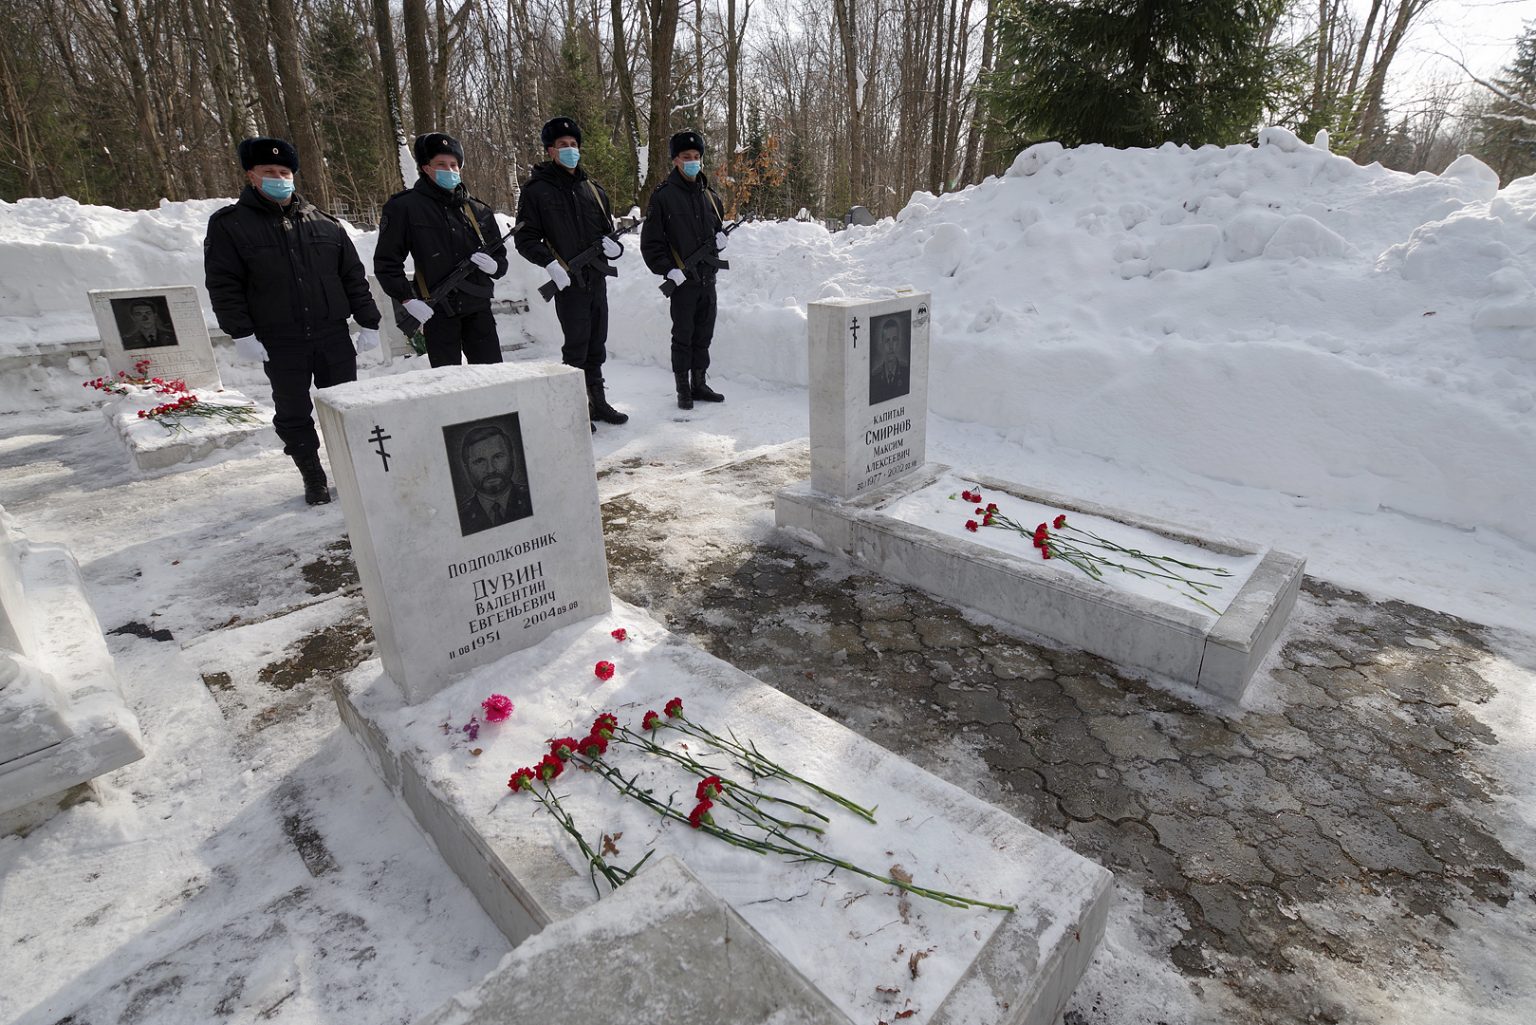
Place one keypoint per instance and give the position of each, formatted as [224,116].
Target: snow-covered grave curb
[667,913]
[154,446]
[1218,654]
[858,943]
[63,719]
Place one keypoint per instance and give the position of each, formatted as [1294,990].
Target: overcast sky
[1479,33]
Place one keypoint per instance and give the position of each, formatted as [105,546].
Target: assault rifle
[706,254]
[444,289]
[588,257]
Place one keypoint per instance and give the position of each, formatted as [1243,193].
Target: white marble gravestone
[869,391]
[471,499]
[162,325]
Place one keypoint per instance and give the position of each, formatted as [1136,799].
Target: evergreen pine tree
[1138,72]
[1508,129]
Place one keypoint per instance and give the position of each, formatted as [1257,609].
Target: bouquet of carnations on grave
[1092,553]
[738,812]
[183,402]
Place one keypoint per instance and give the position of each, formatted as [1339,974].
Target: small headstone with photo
[471,499]
[869,391]
[162,325]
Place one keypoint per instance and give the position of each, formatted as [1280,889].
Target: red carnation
[1060,521]
[709,786]
[980,511]
[498,707]
[970,525]
[991,507]
[986,521]
[605,725]
[700,814]
[1045,553]
[621,634]
[593,746]
[522,779]
[604,670]
[674,708]
[548,768]
[650,721]
[562,747]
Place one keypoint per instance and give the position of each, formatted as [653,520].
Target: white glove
[721,238]
[249,350]
[611,249]
[676,276]
[367,338]
[484,261]
[418,309]
[557,274]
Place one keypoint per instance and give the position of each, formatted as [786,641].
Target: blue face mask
[277,188]
[569,156]
[691,168]
[447,179]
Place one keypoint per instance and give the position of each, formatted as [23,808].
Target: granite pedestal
[858,943]
[1215,653]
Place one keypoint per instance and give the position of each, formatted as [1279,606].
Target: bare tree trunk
[384,33]
[973,158]
[285,45]
[1360,51]
[423,106]
[846,31]
[629,118]
[128,46]
[251,27]
[664,16]
[1370,106]
[733,40]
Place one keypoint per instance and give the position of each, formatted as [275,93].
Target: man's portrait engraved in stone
[890,356]
[490,476]
[144,322]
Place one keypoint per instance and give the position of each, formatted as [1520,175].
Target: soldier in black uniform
[283,277]
[685,213]
[561,214]
[440,225]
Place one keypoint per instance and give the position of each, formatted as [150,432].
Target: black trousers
[322,356]
[468,335]
[583,314]
[693,325]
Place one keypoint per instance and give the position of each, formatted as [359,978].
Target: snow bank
[1271,316]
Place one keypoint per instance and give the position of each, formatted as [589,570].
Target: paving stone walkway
[1337,831]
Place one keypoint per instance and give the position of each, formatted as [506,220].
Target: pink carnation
[498,707]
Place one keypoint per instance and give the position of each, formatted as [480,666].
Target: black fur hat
[435,143]
[262,150]
[558,128]
[686,139]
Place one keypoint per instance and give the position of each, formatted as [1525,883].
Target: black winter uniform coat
[429,223]
[562,213]
[683,216]
[282,272]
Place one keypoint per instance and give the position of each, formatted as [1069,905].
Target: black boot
[684,390]
[316,491]
[598,408]
[702,391]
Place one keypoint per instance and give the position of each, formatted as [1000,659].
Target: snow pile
[1273,316]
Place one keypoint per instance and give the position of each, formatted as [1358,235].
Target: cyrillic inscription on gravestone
[162,325]
[471,500]
[869,391]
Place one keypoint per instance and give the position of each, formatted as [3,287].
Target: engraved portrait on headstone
[890,361]
[490,476]
[144,322]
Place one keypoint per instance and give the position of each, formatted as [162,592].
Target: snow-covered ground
[1263,342]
